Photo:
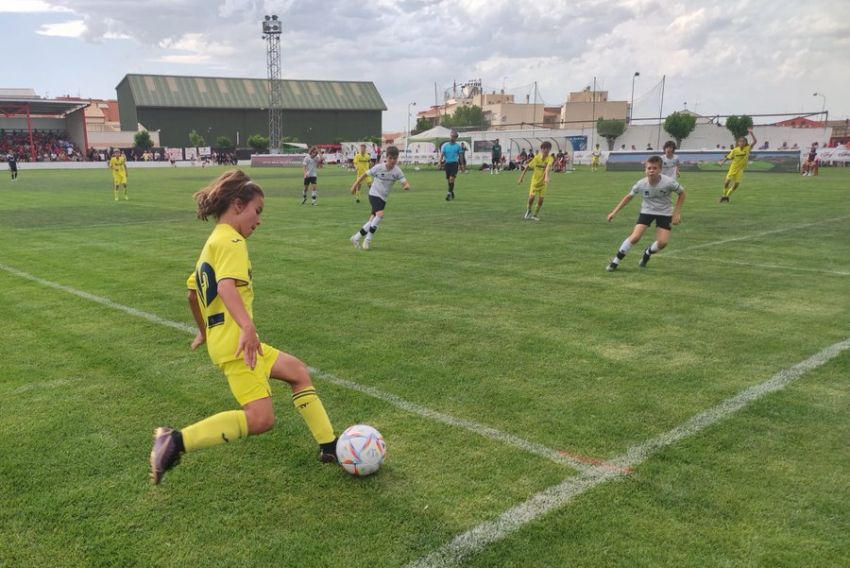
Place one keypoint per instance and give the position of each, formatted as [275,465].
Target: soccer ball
[360,450]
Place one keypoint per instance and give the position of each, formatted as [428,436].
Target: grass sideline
[461,307]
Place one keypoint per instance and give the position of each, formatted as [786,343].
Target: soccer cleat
[355,241]
[534,218]
[304,200]
[357,200]
[366,244]
[327,452]
[645,259]
[448,197]
[165,453]
[612,267]
[527,215]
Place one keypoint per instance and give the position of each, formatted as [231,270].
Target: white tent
[432,135]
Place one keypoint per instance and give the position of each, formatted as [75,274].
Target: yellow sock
[216,430]
[312,410]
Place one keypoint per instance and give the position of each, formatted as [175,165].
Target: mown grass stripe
[474,427]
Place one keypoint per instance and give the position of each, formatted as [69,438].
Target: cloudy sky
[729,57]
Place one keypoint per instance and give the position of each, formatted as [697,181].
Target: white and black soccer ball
[360,450]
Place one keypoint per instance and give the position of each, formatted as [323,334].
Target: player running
[541,164]
[383,177]
[740,156]
[311,162]
[362,162]
[670,161]
[656,190]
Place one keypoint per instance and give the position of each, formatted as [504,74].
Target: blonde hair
[230,186]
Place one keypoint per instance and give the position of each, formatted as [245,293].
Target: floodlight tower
[271,33]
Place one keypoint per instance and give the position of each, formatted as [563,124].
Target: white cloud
[72,28]
[754,56]
[29,6]
[185,59]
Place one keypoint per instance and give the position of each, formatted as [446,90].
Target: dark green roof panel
[173,91]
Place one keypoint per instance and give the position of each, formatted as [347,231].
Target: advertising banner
[774,161]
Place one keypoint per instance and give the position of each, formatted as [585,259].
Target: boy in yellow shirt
[740,156]
[362,163]
[541,164]
[118,165]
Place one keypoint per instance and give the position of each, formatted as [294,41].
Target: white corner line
[757,235]
[479,537]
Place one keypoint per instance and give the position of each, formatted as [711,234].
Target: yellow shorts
[594,161]
[735,176]
[119,179]
[537,190]
[246,384]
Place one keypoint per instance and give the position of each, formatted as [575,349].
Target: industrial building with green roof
[314,112]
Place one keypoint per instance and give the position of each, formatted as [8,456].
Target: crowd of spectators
[50,146]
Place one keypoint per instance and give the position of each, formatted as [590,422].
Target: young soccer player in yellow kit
[118,165]
[740,156]
[220,298]
[362,163]
[541,164]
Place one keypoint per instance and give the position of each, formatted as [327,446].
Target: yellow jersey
[224,256]
[362,162]
[740,157]
[118,165]
[538,167]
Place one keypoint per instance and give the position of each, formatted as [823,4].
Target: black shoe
[612,267]
[645,260]
[724,199]
[165,453]
[452,193]
[327,452]
[448,197]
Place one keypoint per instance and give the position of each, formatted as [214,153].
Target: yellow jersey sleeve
[190,282]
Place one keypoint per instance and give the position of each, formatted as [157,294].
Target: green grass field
[462,309]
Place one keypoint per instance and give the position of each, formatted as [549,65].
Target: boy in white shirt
[384,175]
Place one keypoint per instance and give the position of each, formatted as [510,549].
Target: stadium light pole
[272,28]
[822,108]
[407,138]
[632,100]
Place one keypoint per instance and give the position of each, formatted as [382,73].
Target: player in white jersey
[311,162]
[384,175]
[670,161]
[656,190]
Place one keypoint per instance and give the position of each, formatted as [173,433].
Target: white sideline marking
[767,266]
[557,496]
[474,427]
[757,235]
